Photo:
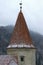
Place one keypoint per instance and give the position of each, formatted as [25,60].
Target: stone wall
[27,53]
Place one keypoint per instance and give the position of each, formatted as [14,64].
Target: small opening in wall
[22,58]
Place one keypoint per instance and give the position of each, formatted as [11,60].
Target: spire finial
[21,5]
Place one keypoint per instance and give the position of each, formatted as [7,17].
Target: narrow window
[22,58]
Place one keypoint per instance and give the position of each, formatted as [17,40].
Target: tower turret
[21,44]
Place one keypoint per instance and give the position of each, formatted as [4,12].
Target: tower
[21,44]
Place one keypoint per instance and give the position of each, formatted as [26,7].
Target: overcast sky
[32,10]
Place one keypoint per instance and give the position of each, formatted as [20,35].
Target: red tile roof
[20,33]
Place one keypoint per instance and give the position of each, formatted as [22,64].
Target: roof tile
[20,33]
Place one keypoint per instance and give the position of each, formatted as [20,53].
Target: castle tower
[21,44]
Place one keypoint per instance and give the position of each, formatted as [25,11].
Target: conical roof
[20,33]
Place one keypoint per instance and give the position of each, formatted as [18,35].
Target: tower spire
[21,5]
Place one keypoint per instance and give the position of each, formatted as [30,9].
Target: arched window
[22,58]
